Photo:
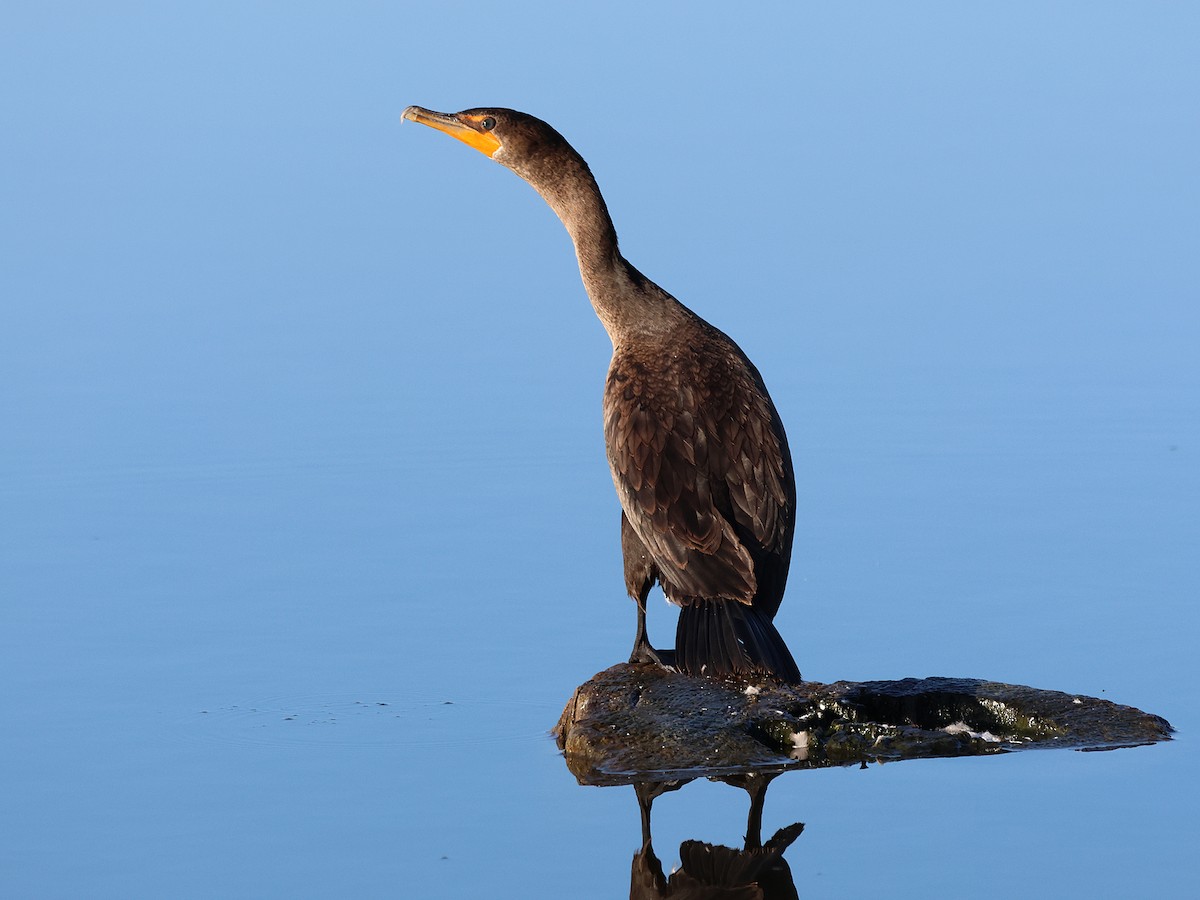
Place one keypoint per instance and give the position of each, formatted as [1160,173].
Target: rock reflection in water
[707,871]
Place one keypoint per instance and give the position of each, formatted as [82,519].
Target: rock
[638,723]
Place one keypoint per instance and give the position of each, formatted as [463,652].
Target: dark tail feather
[725,637]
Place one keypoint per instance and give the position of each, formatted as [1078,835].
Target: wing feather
[700,467]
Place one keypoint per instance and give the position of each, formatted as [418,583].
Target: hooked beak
[464,128]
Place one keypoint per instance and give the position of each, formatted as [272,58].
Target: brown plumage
[698,454]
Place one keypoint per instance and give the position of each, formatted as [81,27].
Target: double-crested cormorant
[697,451]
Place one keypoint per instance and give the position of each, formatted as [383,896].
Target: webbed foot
[644,653]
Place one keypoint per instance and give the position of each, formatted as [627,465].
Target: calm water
[306,534]
[274,677]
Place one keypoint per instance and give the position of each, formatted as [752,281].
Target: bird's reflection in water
[710,871]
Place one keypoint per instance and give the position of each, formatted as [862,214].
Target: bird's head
[514,139]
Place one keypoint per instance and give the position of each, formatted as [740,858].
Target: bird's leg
[755,784]
[643,652]
[649,791]
[758,795]
[640,576]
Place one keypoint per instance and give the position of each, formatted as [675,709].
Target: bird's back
[701,465]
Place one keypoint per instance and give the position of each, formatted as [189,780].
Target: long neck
[627,304]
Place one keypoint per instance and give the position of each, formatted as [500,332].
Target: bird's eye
[488,123]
